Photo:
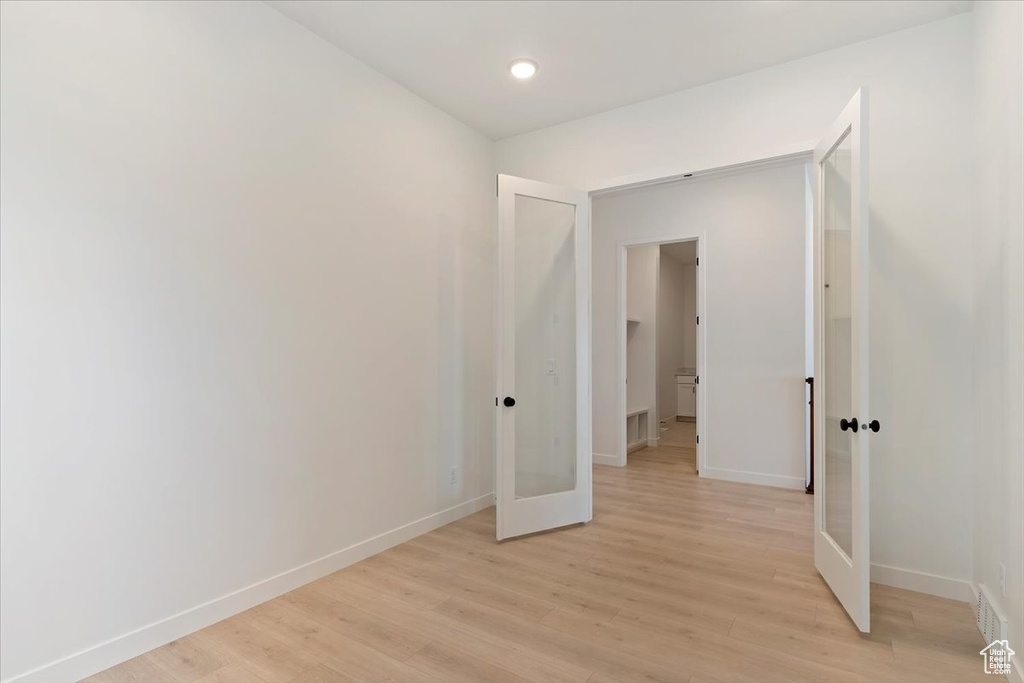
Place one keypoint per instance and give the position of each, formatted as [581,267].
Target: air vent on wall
[991,623]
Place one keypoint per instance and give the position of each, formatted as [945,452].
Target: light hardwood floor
[677,579]
[677,433]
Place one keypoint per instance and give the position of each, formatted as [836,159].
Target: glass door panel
[545,346]
[836,171]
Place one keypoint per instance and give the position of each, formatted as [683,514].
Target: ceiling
[684,252]
[593,56]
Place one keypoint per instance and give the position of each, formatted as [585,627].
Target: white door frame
[799,151]
[679,235]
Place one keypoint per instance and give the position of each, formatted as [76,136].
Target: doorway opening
[710,321]
[661,347]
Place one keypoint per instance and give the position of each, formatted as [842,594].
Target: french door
[543,400]
[843,426]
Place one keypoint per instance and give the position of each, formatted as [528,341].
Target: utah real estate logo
[997,657]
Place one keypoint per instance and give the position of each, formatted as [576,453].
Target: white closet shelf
[637,429]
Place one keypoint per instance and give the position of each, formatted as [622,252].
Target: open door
[841,531]
[543,398]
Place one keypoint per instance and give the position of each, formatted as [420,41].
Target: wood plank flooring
[677,579]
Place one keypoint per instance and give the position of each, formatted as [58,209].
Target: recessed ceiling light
[523,68]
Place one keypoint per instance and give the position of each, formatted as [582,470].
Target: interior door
[543,398]
[841,532]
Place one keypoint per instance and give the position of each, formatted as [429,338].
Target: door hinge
[698,260]
[495,401]
[696,380]
[698,438]
[698,320]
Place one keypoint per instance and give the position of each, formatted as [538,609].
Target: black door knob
[845,424]
[874,426]
[509,401]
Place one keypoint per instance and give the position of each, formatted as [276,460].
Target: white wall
[752,225]
[227,249]
[641,339]
[677,328]
[920,83]
[998,323]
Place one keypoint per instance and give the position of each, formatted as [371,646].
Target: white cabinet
[686,396]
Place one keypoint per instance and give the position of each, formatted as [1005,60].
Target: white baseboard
[942,586]
[743,477]
[105,655]
[1016,674]
[653,443]
[602,459]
